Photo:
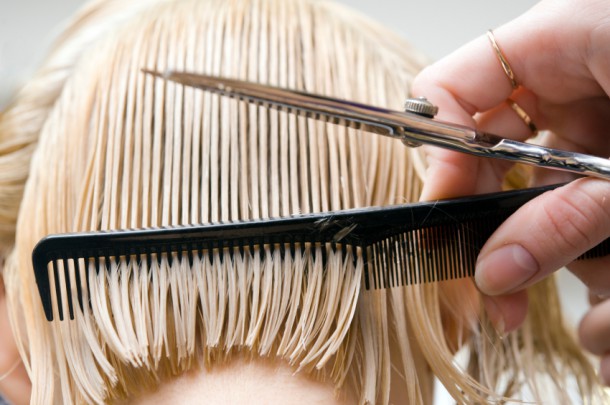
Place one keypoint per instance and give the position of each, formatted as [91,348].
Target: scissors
[414,127]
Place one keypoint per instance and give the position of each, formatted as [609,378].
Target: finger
[459,97]
[595,299]
[514,120]
[545,234]
[582,124]
[452,85]
[460,94]
[594,274]
[450,174]
[472,78]
[594,329]
[505,119]
[506,312]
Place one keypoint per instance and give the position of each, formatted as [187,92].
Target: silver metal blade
[411,129]
[354,115]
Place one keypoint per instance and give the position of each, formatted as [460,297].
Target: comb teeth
[66,278]
[419,256]
[396,245]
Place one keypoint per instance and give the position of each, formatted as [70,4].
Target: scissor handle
[552,158]
[467,140]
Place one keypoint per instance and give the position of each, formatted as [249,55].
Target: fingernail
[504,269]
[495,315]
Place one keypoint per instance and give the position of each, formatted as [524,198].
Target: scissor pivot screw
[421,106]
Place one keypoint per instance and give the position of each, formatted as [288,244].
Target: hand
[560,56]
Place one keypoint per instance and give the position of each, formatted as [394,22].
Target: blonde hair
[115,148]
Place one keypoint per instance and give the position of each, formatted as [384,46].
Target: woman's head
[120,149]
[116,148]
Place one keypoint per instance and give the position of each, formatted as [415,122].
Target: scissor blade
[412,129]
[328,109]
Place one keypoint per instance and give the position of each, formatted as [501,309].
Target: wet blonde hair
[113,148]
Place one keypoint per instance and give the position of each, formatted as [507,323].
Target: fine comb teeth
[399,245]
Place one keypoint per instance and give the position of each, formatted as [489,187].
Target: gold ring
[522,114]
[503,62]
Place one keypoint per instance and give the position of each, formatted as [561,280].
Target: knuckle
[576,221]
[567,224]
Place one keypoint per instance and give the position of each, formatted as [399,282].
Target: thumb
[544,235]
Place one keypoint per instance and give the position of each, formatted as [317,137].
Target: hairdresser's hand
[560,54]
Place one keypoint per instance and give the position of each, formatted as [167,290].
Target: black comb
[399,245]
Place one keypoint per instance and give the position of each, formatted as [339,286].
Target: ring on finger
[527,120]
[503,61]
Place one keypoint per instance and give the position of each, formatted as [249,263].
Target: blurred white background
[28,27]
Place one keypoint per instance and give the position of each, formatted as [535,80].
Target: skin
[560,55]
[14,382]
[244,381]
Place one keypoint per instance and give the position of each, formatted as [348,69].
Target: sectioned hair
[108,147]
